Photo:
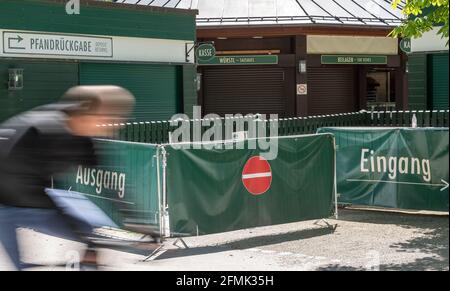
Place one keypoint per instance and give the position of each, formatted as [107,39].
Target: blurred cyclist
[45,141]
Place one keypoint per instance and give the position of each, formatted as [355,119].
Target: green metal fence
[158,132]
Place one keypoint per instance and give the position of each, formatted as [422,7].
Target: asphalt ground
[363,240]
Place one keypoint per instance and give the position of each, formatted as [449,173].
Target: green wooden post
[434,118]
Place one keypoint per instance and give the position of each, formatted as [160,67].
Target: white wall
[429,42]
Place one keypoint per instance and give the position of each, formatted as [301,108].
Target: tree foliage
[422,16]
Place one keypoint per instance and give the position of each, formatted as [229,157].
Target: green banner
[241,60]
[393,167]
[124,184]
[218,190]
[353,60]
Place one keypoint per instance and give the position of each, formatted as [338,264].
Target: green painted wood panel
[189,88]
[116,20]
[417,81]
[44,82]
[438,80]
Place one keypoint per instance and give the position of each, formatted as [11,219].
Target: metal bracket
[149,257]
[194,46]
[189,50]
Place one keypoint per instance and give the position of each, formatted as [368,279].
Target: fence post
[446,118]
[441,118]
[147,132]
[281,127]
[427,118]
[298,123]
[129,132]
[165,132]
[314,124]
[353,119]
[384,118]
[434,117]
[408,118]
[122,131]
[420,120]
[390,117]
[141,132]
[290,126]
[367,118]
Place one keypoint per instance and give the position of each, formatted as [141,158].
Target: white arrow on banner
[444,184]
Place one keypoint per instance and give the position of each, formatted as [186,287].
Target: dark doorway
[380,94]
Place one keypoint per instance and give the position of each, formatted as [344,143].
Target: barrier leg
[182,241]
[328,225]
[161,249]
[149,257]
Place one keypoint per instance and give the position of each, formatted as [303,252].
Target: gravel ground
[363,240]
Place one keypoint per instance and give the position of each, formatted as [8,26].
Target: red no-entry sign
[257,175]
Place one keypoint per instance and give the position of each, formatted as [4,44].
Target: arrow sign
[18,39]
[45,44]
[444,184]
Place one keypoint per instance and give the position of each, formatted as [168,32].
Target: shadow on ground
[247,243]
[434,241]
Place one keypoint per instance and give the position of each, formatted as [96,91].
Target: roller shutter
[331,90]
[157,88]
[244,89]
